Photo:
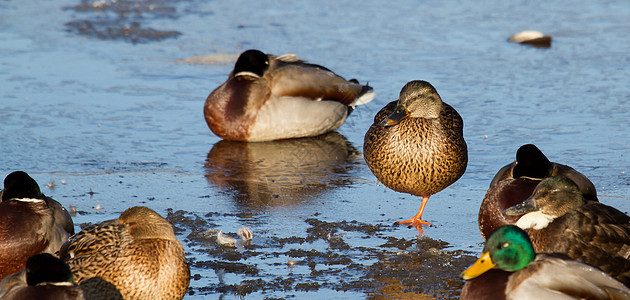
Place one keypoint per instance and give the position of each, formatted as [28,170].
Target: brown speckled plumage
[588,231]
[596,234]
[136,256]
[420,156]
[516,181]
[533,276]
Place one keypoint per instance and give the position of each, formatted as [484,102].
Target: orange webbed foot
[414,222]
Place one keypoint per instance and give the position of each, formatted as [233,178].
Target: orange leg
[416,221]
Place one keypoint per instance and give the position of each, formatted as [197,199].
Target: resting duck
[30,223]
[515,182]
[531,37]
[559,220]
[136,256]
[44,277]
[269,97]
[528,275]
[416,145]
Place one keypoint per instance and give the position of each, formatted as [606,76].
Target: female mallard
[516,181]
[136,256]
[30,223]
[44,277]
[536,276]
[269,97]
[559,219]
[416,145]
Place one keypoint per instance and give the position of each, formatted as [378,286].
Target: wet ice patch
[350,256]
[123,20]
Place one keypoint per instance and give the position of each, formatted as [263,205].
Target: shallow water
[101,101]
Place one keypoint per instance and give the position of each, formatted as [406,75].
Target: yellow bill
[483,264]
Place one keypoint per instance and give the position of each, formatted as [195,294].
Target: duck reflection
[281,173]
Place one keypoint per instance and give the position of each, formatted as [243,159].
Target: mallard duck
[531,37]
[536,276]
[30,223]
[516,181]
[559,219]
[269,97]
[416,145]
[44,277]
[136,256]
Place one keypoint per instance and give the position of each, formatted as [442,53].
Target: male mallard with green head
[268,97]
[30,223]
[44,277]
[535,276]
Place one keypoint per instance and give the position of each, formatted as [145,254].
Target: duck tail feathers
[367,94]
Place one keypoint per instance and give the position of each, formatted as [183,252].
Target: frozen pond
[104,99]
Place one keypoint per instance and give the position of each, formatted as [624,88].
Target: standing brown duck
[136,256]
[416,145]
[269,97]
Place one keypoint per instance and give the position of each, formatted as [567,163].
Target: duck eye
[505,245]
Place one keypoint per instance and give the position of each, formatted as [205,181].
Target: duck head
[531,163]
[252,63]
[145,223]
[418,99]
[44,267]
[19,185]
[508,248]
[552,198]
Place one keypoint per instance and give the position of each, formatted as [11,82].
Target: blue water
[123,118]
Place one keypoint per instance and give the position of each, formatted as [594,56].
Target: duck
[416,145]
[530,275]
[136,256]
[531,37]
[559,219]
[31,223]
[44,277]
[516,181]
[268,97]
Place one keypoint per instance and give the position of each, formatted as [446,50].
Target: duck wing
[555,277]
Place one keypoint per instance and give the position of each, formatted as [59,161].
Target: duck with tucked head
[44,277]
[136,256]
[30,223]
[269,97]
[559,219]
[531,37]
[416,145]
[516,181]
[528,275]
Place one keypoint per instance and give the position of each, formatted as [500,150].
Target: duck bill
[482,265]
[399,114]
[527,206]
